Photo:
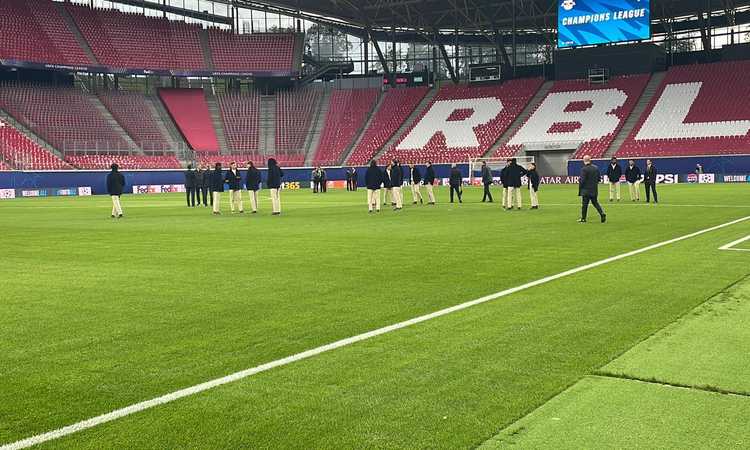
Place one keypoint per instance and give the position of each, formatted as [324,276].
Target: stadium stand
[189,110]
[132,111]
[576,111]
[427,139]
[294,114]
[128,40]
[126,162]
[395,108]
[258,159]
[347,114]
[697,110]
[239,115]
[267,52]
[65,117]
[4,166]
[23,153]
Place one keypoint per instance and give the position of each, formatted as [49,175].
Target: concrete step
[318,122]
[213,109]
[73,27]
[114,123]
[208,59]
[267,124]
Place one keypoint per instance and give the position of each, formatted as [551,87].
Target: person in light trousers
[217,187]
[233,179]
[275,174]
[533,176]
[429,181]
[252,182]
[614,172]
[633,177]
[397,181]
[373,180]
[115,188]
[416,180]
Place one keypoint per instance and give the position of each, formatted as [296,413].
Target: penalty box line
[202,387]
[731,246]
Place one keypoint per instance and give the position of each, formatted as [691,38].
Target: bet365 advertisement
[589,22]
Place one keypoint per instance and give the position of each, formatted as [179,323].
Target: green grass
[708,348]
[100,314]
[611,413]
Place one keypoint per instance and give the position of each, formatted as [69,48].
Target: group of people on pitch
[511,178]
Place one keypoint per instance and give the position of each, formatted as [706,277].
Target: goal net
[495,164]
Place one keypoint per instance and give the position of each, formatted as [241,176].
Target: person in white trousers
[275,174]
[397,180]
[115,188]
[416,179]
[217,187]
[373,180]
[614,172]
[533,176]
[252,183]
[633,177]
[233,179]
[429,181]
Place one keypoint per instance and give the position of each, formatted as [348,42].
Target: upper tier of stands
[697,110]
[493,108]
[294,114]
[251,52]
[575,111]
[239,114]
[189,110]
[65,117]
[137,117]
[395,108]
[347,113]
[22,153]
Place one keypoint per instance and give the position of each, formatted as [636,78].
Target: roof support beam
[381,57]
[448,64]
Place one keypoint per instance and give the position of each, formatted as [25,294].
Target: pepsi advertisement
[590,22]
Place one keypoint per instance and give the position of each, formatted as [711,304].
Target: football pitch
[453,326]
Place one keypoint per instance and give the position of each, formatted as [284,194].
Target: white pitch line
[731,245]
[198,388]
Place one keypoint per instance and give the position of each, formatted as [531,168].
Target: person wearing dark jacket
[353,179]
[233,179]
[115,188]
[397,181]
[614,172]
[486,181]
[323,181]
[533,177]
[455,182]
[416,179]
[429,181]
[388,186]
[514,173]
[373,180]
[633,177]
[507,203]
[588,189]
[252,183]
[216,185]
[190,184]
[275,174]
[201,184]
[649,179]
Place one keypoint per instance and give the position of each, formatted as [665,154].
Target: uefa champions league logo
[567,5]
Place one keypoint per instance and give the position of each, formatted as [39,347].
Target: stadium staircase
[213,110]
[313,138]
[522,118]
[73,27]
[361,133]
[648,93]
[206,49]
[164,122]
[321,68]
[30,134]
[114,123]
[427,100]
[267,118]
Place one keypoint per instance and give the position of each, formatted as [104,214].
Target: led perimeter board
[590,22]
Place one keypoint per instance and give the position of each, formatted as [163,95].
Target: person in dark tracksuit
[201,185]
[373,180]
[273,180]
[588,189]
[353,179]
[190,186]
[486,181]
[534,179]
[115,188]
[323,181]
[429,182]
[649,179]
[252,182]
[633,177]
[455,182]
[217,187]
[514,173]
[416,180]
[614,172]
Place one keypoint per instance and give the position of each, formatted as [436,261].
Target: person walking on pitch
[201,185]
[217,187]
[614,172]
[275,174]
[429,182]
[455,182]
[233,178]
[252,183]
[633,177]
[507,203]
[373,180]
[190,185]
[416,179]
[486,181]
[649,179]
[115,188]
[397,181]
[588,189]
[533,177]
[514,174]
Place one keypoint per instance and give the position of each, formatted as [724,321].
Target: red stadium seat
[22,153]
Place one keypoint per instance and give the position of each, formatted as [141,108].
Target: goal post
[495,164]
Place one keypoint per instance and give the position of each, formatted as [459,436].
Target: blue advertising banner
[589,22]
